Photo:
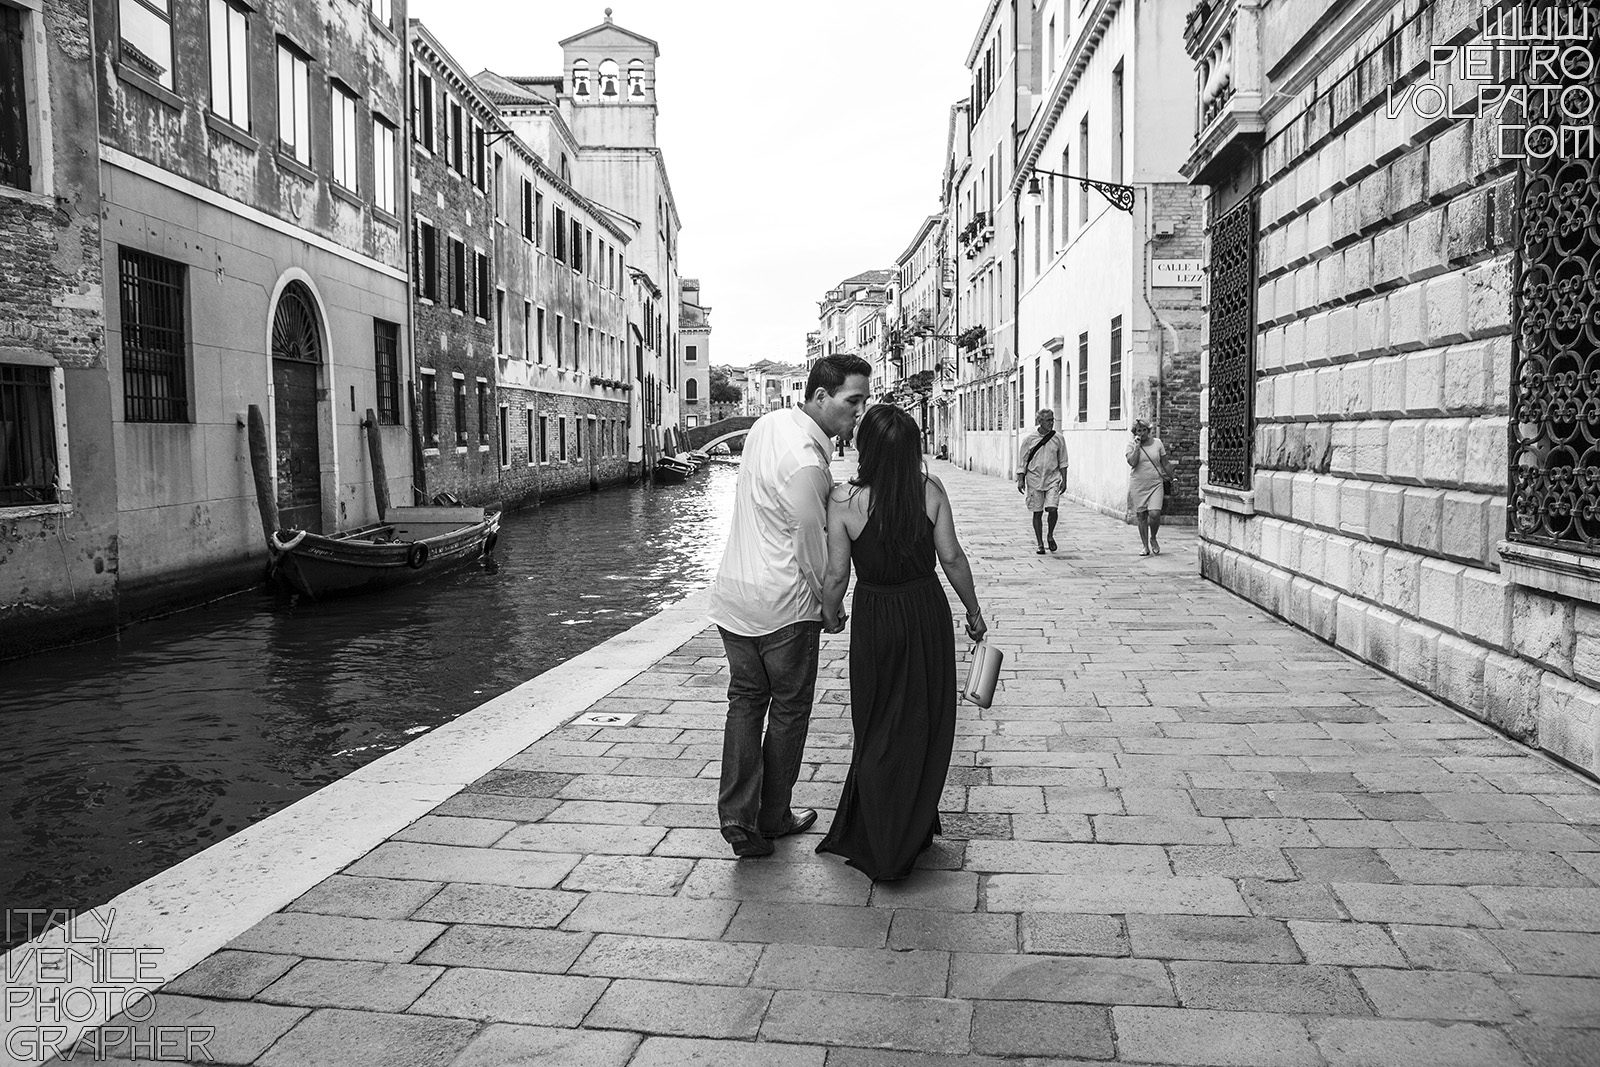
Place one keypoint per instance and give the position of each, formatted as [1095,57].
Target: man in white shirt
[1041,474]
[767,602]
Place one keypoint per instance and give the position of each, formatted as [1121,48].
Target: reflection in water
[124,756]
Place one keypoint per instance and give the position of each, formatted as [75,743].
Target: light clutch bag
[982,674]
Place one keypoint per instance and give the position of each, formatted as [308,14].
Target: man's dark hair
[829,373]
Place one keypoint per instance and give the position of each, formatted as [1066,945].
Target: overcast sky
[804,141]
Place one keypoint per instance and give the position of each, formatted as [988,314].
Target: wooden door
[296,365]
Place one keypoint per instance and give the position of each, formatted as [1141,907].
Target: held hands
[833,622]
[976,627]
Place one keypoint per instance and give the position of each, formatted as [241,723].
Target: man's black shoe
[799,822]
[747,844]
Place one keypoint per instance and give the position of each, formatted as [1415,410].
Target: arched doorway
[296,361]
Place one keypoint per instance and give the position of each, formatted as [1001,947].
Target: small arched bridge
[704,438]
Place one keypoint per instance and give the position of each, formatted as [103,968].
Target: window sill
[11,192]
[388,218]
[461,450]
[148,85]
[347,195]
[31,511]
[483,448]
[219,125]
[1552,570]
[430,450]
[1238,501]
[382,28]
[293,166]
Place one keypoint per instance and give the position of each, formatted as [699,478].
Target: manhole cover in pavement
[602,718]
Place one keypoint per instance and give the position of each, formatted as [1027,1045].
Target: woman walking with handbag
[893,522]
[1149,480]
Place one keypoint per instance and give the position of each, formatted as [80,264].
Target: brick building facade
[59,549]
[1362,367]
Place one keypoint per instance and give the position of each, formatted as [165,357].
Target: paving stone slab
[1540,908]
[1211,937]
[498,905]
[1532,952]
[1075,893]
[656,875]
[231,975]
[505,1044]
[774,882]
[1074,935]
[624,913]
[1065,979]
[670,959]
[338,937]
[212,1031]
[1351,944]
[915,1023]
[862,970]
[680,1010]
[1049,857]
[1447,948]
[453,830]
[1552,1001]
[333,1037]
[1548,1046]
[584,838]
[1388,1043]
[506,948]
[1033,1029]
[1286,989]
[365,898]
[1213,1038]
[504,996]
[918,928]
[694,1052]
[1432,905]
[449,863]
[360,984]
[495,806]
[1436,995]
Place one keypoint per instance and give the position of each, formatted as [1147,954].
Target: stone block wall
[1384,362]
[526,481]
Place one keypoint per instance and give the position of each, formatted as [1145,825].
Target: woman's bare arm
[837,578]
[957,570]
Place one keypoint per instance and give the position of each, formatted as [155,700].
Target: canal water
[124,756]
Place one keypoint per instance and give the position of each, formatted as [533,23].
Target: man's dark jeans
[773,678]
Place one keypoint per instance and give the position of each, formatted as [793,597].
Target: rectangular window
[505,437]
[422,121]
[577,438]
[1116,124]
[460,410]
[16,139]
[230,64]
[294,102]
[500,187]
[527,209]
[538,220]
[588,249]
[428,260]
[500,321]
[1231,387]
[379,10]
[483,412]
[480,159]
[691,353]
[155,350]
[29,455]
[561,438]
[527,329]
[458,275]
[481,277]
[146,27]
[386,357]
[576,238]
[384,137]
[430,409]
[457,138]
[538,335]
[1083,161]
[544,439]
[561,324]
[1114,378]
[343,116]
[561,235]
[577,361]
[1083,377]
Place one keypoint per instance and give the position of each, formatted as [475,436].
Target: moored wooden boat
[411,543]
[673,469]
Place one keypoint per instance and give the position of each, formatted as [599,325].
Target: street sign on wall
[1174,273]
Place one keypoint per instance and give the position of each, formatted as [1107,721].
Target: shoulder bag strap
[1034,451]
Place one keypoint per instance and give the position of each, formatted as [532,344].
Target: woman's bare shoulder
[936,488]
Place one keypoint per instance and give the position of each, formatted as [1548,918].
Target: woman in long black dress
[891,521]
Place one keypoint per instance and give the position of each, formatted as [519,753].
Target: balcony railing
[1222,37]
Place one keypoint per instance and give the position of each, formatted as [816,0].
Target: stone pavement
[1186,833]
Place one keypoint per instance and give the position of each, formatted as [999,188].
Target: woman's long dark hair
[891,466]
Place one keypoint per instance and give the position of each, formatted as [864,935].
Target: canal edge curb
[184,914]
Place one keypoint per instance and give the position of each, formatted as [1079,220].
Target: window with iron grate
[155,372]
[1231,381]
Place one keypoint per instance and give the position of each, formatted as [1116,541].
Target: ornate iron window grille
[1555,329]
[154,347]
[1232,380]
[386,357]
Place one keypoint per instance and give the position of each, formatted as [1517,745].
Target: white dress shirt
[777,552]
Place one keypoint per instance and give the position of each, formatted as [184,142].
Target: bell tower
[609,86]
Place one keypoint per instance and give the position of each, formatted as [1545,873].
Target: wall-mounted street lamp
[1117,195]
